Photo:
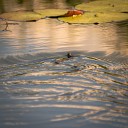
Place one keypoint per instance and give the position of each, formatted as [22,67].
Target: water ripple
[94,86]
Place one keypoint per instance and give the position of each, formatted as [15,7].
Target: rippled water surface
[42,86]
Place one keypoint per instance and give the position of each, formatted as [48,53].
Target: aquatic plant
[98,11]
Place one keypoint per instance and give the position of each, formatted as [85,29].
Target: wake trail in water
[97,83]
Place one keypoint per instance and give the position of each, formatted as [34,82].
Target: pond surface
[41,86]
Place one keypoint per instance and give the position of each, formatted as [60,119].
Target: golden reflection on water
[98,108]
[49,35]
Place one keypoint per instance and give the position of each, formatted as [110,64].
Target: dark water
[41,87]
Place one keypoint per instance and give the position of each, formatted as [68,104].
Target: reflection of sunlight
[54,36]
[72,116]
[51,35]
[108,117]
[97,108]
[39,73]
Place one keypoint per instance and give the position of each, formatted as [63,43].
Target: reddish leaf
[74,12]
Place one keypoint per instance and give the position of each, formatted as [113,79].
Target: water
[41,87]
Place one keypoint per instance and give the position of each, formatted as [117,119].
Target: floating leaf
[95,12]
[32,16]
[95,18]
[73,12]
[51,12]
[21,16]
[105,6]
[100,11]
[67,14]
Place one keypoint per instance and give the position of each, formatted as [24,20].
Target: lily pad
[51,12]
[105,6]
[21,16]
[32,16]
[100,11]
[91,17]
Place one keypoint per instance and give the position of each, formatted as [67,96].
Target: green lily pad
[32,16]
[21,16]
[91,17]
[105,6]
[95,12]
[100,11]
[51,12]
